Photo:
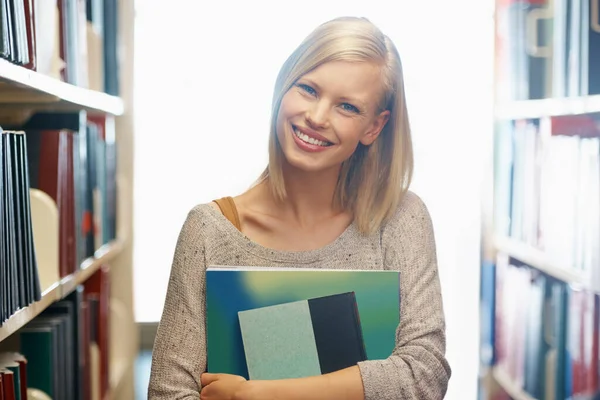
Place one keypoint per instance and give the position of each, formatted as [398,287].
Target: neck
[309,195]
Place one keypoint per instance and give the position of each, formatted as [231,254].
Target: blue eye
[350,108]
[307,89]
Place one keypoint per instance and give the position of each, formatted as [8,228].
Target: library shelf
[509,386]
[20,87]
[530,109]
[60,289]
[537,259]
[24,315]
[103,255]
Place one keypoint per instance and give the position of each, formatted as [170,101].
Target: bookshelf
[508,385]
[540,243]
[539,260]
[60,290]
[22,87]
[24,93]
[528,109]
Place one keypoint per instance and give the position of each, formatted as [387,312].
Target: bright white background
[204,78]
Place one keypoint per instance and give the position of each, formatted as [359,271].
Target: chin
[304,165]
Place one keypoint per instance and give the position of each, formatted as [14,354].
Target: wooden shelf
[24,315]
[539,260]
[60,289]
[509,386]
[89,266]
[527,109]
[20,87]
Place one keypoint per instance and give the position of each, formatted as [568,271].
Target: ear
[375,129]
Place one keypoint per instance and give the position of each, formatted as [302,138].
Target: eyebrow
[358,102]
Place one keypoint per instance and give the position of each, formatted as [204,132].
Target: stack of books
[265,323]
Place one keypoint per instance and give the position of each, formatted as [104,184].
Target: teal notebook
[233,290]
[283,335]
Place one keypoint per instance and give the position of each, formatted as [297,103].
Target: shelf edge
[18,76]
[508,385]
[60,289]
[538,260]
[530,109]
[90,265]
[22,316]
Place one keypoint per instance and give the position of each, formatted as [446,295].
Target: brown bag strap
[229,210]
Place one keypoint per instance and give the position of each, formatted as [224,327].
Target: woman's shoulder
[411,207]
[204,219]
[411,218]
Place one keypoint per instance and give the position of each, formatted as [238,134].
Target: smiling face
[328,112]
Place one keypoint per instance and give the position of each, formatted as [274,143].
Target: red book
[30,26]
[50,158]
[8,384]
[99,285]
[583,343]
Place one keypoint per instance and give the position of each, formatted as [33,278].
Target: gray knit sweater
[417,368]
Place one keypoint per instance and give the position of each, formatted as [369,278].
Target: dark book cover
[338,334]
[5,35]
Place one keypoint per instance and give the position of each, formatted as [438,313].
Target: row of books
[71,158]
[547,48]
[78,44]
[19,281]
[547,188]
[63,352]
[543,333]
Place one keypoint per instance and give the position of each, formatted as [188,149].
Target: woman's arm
[417,368]
[344,384]
[179,355]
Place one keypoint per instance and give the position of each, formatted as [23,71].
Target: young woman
[334,195]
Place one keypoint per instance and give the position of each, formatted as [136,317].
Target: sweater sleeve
[417,368]
[179,355]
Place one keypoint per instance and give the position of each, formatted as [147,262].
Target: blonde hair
[373,181]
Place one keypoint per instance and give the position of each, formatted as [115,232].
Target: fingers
[207,378]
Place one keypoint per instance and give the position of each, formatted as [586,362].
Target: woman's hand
[221,386]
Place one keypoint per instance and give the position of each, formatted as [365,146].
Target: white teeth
[308,139]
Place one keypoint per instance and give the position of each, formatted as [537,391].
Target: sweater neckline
[242,241]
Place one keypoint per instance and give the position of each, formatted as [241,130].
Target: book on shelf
[540,291]
[85,176]
[58,192]
[547,49]
[19,281]
[549,348]
[546,197]
[547,189]
[63,352]
[75,41]
[324,319]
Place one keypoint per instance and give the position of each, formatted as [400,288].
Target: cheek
[289,105]
[349,129]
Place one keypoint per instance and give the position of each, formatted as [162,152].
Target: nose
[318,115]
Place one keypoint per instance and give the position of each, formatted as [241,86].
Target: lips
[310,137]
